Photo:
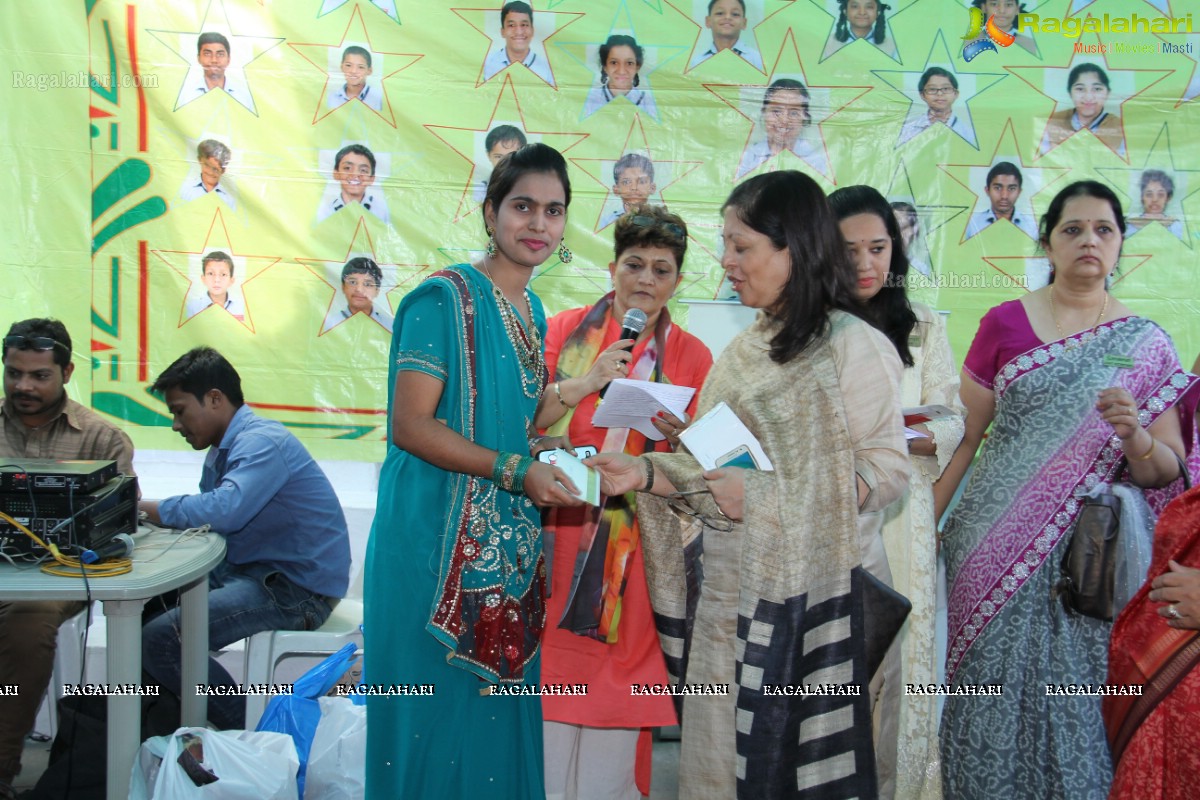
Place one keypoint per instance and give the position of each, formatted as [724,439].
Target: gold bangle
[558,394]
[1150,452]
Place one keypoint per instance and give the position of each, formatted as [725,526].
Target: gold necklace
[527,345]
[1058,327]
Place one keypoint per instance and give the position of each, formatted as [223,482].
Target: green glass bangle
[523,466]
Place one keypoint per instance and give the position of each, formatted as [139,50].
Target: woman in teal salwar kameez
[455,583]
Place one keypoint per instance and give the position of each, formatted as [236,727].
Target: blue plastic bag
[297,714]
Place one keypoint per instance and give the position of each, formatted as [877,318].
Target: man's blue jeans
[242,600]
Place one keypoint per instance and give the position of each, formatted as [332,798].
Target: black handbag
[1088,568]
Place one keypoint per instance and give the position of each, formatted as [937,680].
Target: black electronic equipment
[54,475]
[67,519]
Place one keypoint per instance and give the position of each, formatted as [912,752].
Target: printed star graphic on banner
[1188,44]
[197,302]
[970,86]
[386,6]
[747,38]
[1162,178]
[487,22]
[665,173]
[327,58]
[1162,6]
[888,46]
[469,143]
[1033,272]
[1122,83]
[973,178]
[246,164]
[930,218]
[243,50]
[808,144]
[397,279]
[641,96]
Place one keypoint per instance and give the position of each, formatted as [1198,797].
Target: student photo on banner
[515,41]
[355,173]
[1088,101]
[633,185]
[1005,14]
[502,139]
[217,68]
[785,122]
[912,234]
[727,26]
[215,286]
[207,177]
[1155,192]
[860,19]
[935,105]
[620,60]
[350,77]
[363,292]
[1005,198]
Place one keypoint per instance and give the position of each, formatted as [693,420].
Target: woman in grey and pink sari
[1077,390]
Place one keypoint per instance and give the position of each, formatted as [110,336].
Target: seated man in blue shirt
[288,556]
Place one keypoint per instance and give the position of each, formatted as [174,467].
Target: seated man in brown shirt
[38,420]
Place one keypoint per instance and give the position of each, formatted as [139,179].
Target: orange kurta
[636,658]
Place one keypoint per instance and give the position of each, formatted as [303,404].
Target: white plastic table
[185,567]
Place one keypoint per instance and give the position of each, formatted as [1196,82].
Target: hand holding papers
[719,439]
[631,404]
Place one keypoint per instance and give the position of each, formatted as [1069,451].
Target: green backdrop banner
[238,153]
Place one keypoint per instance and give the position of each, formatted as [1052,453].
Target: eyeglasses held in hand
[679,503]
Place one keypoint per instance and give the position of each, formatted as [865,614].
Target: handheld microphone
[631,328]
[120,547]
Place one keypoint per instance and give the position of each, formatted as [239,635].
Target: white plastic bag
[337,762]
[247,765]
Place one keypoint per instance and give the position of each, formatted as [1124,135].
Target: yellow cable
[109,569]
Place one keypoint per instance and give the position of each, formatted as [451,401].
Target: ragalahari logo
[980,38]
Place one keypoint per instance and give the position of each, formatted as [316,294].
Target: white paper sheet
[631,404]
[720,437]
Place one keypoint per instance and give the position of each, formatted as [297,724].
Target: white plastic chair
[68,658]
[264,650]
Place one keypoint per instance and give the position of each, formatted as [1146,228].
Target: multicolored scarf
[610,533]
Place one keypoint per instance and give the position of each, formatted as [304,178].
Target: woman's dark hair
[534,157]
[889,309]
[1054,213]
[617,40]
[789,208]
[842,31]
[1079,69]
[651,226]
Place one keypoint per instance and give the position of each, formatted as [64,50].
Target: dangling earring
[564,253]
[491,243]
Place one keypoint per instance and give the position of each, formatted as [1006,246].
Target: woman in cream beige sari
[757,577]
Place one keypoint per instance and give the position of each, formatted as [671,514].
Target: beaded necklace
[526,344]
